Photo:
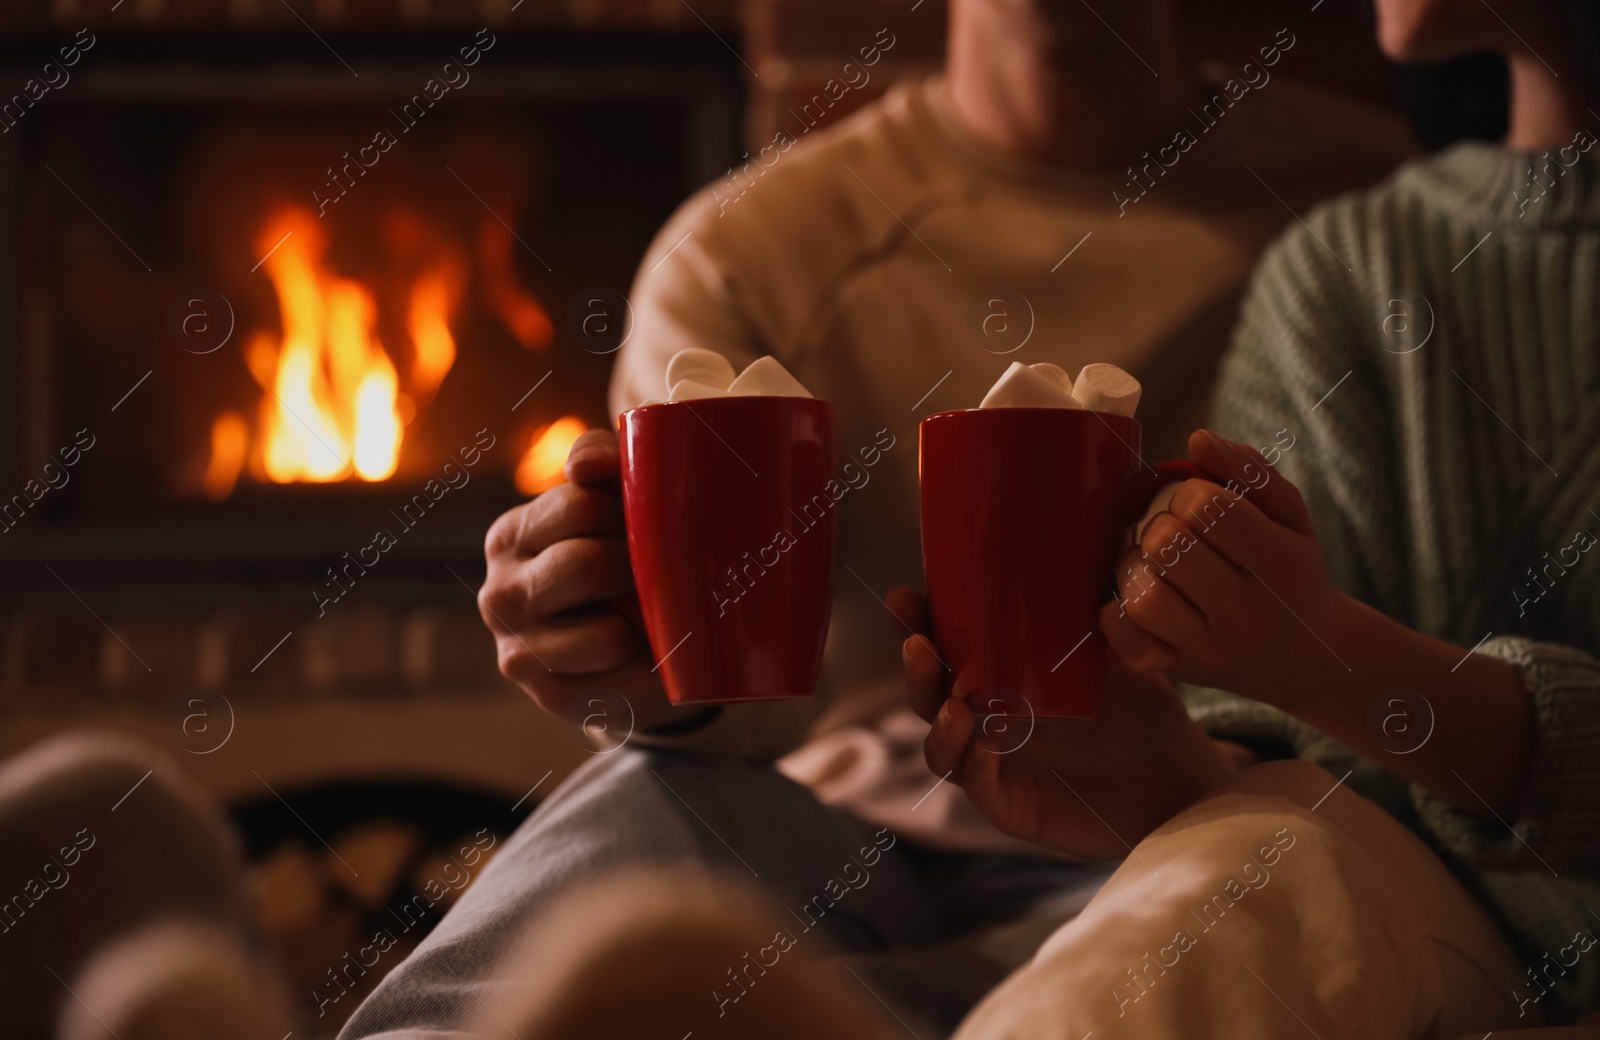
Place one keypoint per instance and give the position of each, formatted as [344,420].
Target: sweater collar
[983,160]
[1557,188]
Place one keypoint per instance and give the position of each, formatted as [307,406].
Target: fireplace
[286,325]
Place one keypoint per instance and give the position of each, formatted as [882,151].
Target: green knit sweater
[1433,346]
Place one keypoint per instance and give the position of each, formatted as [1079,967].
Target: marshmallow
[688,390]
[696,373]
[765,377]
[1031,386]
[1107,388]
[704,367]
[1055,372]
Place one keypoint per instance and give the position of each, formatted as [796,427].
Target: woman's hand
[1089,788]
[1226,590]
[1230,591]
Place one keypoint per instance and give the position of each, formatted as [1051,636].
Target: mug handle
[1143,486]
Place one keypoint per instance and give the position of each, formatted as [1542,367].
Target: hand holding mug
[1024,510]
[1091,788]
[1225,589]
[557,592]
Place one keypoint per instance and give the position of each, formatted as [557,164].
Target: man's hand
[558,568]
[1088,788]
[1226,590]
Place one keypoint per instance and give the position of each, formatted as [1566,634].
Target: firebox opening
[311,359]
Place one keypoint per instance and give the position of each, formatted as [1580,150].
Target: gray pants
[899,926]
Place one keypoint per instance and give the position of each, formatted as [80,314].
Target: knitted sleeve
[1559,824]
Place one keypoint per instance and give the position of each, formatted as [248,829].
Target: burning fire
[334,401]
[334,405]
[542,468]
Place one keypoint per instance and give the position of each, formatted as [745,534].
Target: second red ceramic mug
[1024,512]
[731,537]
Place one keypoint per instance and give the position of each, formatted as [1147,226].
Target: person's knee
[635,953]
[1287,825]
[102,835]
[89,797]
[84,769]
[175,981]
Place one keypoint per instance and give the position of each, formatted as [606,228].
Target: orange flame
[430,332]
[543,467]
[519,312]
[334,406]
[229,439]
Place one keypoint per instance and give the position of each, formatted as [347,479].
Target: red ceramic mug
[731,537]
[1024,512]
